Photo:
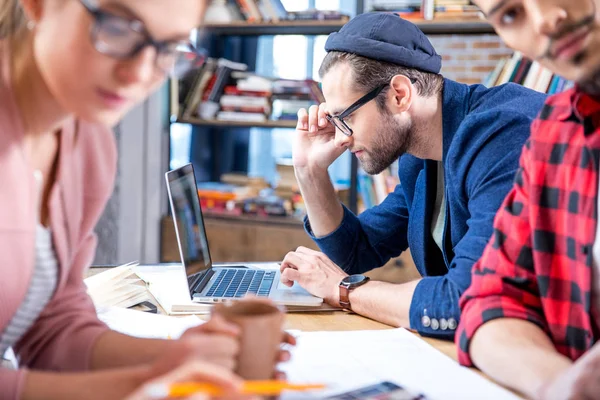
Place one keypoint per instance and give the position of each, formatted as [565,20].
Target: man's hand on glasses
[314,146]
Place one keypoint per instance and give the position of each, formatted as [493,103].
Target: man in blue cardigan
[458,148]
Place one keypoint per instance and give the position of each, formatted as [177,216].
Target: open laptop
[215,283]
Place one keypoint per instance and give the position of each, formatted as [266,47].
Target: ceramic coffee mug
[261,325]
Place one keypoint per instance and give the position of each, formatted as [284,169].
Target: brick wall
[469,58]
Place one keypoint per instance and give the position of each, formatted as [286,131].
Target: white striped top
[41,288]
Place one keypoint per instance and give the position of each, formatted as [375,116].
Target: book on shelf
[258,11]
[268,10]
[431,9]
[318,15]
[237,195]
[237,116]
[287,183]
[211,98]
[241,179]
[531,74]
[223,12]
[222,90]
[190,89]
[250,10]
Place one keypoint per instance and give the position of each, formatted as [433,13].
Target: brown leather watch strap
[344,297]
[347,285]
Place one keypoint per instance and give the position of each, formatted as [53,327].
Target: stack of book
[244,103]
[229,195]
[455,9]
[430,9]
[224,90]
[528,73]
[318,15]
[258,11]
[407,9]
[200,91]
[289,96]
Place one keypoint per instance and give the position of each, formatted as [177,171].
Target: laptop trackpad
[294,289]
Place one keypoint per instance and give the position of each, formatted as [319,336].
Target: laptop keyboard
[193,280]
[237,283]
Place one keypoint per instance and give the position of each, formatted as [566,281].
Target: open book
[117,287]
[168,285]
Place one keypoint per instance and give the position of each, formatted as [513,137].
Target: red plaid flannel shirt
[537,265]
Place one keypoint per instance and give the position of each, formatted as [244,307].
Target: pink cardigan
[63,336]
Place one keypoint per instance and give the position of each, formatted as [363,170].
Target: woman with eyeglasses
[69,70]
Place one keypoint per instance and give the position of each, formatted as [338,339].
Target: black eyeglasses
[124,38]
[338,120]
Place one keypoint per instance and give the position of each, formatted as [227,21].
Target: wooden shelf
[239,124]
[281,28]
[442,26]
[446,26]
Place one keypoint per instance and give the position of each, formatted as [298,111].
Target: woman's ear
[32,9]
[402,91]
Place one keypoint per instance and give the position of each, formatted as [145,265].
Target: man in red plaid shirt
[531,317]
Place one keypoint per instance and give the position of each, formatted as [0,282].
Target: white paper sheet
[146,325]
[350,360]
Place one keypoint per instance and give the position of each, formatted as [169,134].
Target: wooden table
[339,321]
[332,321]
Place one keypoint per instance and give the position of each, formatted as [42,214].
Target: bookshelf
[309,28]
[254,237]
[242,28]
[441,26]
[528,73]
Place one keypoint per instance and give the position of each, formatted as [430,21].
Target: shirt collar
[455,106]
[583,108]
[584,105]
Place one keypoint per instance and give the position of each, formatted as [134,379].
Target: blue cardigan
[483,133]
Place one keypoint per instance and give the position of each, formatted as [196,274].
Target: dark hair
[12,18]
[369,73]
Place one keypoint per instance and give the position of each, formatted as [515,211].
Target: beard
[392,141]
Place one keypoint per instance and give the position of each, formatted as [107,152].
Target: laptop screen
[189,224]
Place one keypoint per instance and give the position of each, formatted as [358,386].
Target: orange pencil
[265,388]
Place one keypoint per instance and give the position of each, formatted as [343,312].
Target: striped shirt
[41,288]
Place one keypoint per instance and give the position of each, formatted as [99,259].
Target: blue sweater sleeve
[363,243]
[483,168]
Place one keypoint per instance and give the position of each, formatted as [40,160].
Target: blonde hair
[12,17]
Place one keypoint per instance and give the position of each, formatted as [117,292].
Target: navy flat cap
[386,37]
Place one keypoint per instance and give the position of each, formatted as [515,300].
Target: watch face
[354,279]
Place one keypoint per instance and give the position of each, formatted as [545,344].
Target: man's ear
[402,92]
[32,9]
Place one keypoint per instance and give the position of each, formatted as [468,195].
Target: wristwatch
[348,284]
